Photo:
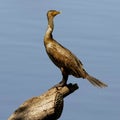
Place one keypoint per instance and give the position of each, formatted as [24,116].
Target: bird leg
[64,79]
[63,82]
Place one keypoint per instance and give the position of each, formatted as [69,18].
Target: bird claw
[61,84]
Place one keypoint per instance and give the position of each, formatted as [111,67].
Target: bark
[47,106]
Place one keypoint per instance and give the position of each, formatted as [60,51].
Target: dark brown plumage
[64,59]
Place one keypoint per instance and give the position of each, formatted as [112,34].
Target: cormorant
[63,58]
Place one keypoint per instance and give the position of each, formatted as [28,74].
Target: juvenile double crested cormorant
[64,59]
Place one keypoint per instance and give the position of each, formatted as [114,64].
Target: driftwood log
[47,106]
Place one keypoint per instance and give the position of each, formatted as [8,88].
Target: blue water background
[89,28]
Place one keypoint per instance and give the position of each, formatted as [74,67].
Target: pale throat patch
[49,45]
[49,30]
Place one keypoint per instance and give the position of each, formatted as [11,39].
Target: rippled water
[90,29]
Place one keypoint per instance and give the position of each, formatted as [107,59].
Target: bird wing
[63,58]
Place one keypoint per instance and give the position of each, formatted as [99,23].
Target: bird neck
[49,28]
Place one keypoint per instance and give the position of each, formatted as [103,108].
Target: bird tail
[95,81]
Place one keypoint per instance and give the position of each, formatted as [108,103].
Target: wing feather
[63,58]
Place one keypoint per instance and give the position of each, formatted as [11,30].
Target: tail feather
[95,81]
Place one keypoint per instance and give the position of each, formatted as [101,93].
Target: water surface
[90,29]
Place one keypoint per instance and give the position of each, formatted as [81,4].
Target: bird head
[52,13]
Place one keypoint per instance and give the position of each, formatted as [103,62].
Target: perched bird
[63,58]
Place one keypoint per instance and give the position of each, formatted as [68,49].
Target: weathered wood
[47,106]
